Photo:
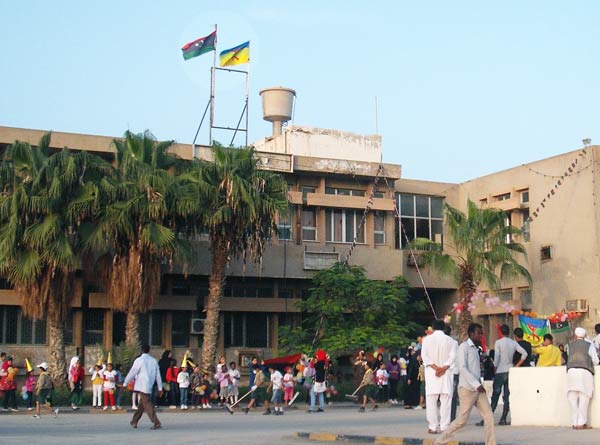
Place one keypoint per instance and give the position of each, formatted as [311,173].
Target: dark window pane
[157,329]
[40,332]
[437,207]
[286,293]
[344,192]
[181,325]
[329,191]
[407,205]
[144,328]
[118,330]
[68,330]
[358,193]
[408,224]
[422,228]
[437,228]
[228,320]
[12,319]
[264,292]
[350,229]
[337,225]
[93,327]
[328,223]
[422,206]
[26,331]
[256,330]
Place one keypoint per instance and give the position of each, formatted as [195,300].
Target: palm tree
[484,248]
[137,227]
[43,198]
[239,206]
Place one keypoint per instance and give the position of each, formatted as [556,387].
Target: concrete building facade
[330,176]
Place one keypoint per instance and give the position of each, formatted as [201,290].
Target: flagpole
[247,96]
[212,90]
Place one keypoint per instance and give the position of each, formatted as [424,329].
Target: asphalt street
[217,426]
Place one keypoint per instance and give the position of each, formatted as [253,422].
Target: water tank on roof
[277,104]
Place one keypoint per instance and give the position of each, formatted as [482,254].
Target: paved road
[202,427]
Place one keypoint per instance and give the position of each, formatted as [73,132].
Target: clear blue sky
[465,88]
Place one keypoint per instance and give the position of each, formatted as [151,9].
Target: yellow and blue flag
[236,56]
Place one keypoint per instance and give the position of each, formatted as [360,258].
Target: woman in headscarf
[72,366]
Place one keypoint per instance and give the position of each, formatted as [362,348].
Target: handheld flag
[236,56]
[28,365]
[199,46]
[534,329]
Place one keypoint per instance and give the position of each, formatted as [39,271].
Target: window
[181,286]
[247,329]
[93,327]
[526,298]
[502,197]
[151,328]
[305,191]
[507,223]
[68,332]
[505,294]
[483,202]
[546,253]
[284,225]
[420,217]
[342,225]
[525,196]
[379,227]
[309,224]
[180,332]
[15,328]
[119,327]
[344,192]
[525,227]
[286,293]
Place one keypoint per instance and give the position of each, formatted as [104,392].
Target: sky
[463,88]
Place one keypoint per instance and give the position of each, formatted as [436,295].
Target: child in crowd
[120,378]
[205,391]
[135,397]
[172,372]
[30,381]
[382,378]
[109,384]
[43,391]
[195,388]
[421,379]
[368,390]
[96,377]
[288,385]
[234,375]
[223,381]
[277,386]
[183,379]
[76,378]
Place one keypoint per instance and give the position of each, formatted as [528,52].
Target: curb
[383,440]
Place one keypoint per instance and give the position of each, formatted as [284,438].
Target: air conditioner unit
[577,305]
[197,326]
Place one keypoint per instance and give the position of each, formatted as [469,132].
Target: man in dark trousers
[145,372]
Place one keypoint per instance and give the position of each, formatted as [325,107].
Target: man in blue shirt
[145,372]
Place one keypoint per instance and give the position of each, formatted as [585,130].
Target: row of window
[420,216]
[243,329]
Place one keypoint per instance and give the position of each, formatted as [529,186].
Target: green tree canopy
[353,312]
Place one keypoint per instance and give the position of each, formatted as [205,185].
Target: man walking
[470,391]
[438,353]
[505,349]
[454,369]
[145,372]
[580,378]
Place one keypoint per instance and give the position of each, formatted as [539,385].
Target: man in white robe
[580,378]
[438,353]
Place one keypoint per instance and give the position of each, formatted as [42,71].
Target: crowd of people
[434,373]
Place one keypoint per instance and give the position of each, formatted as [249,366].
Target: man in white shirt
[505,349]
[438,352]
[470,391]
[145,372]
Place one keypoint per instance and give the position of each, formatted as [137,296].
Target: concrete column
[77,328]
[108,329]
